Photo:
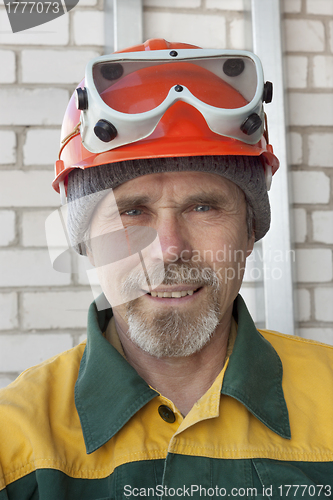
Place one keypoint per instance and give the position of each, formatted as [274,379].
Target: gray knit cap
[87,187]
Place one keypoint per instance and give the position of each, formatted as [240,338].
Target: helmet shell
[182,130]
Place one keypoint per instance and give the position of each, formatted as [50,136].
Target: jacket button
[167,414]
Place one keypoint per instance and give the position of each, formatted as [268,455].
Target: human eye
[132,212]
[202,208]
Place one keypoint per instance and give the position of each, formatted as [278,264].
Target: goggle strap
[65,141]
[266,130]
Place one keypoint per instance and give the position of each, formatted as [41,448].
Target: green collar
[108,391]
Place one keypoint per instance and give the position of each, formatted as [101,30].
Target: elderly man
[175,393]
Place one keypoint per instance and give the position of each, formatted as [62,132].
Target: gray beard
[174,333]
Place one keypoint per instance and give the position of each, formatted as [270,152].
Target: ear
[250,244]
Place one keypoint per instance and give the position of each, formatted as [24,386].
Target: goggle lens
[138,86]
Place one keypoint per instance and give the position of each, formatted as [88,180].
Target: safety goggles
[126,94]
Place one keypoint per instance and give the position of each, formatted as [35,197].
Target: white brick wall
[295,148]
[321,149]
[55,310]
[297,71]
[303,304]
[33,228]
[310,187]
[323,304]
[188,4]
[7,66]
[319,7]
[323,71]
[8,311]
[41,146]
[291,6]
[31,349]
[7,147]
[19,268]
[32,107]
[31,189]
[46,66]
[305,35]
[7,227]
[323,226]
[299,225]
[204,31]
[314,265]
[311,109]
[55,32]
[88,27]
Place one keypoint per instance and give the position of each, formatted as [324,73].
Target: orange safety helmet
[182,130]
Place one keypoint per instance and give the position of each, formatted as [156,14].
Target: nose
[174,239]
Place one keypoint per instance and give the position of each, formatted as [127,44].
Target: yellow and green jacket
[84,425]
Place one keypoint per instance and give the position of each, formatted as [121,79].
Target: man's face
[201,223]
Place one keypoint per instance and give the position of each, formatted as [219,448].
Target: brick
[88,27]
[321,150]
[27,189]
[291,6]
[323,298]
[32,106]
[310,187]
[187,4]
[8,311]
[310,109]
[297,71]
[319,7]
[238,34]
[299,226]
[7,227]
[323,71]
[303,305]
[42,66]
[87,3]
[205,31]
[29,268]
[7,147]
[33,228]
[226,4]
[296,148]
[54,32]
[56,310]
[314,265]
[304,35]
[41,147]
[7,66]
[19,352]
[323,226]
[324,335]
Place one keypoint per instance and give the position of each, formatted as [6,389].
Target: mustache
[171,274]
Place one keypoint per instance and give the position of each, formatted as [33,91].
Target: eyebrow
[126,202]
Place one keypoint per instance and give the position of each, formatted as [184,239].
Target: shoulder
[31,409]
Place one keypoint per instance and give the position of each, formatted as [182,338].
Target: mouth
[174,294]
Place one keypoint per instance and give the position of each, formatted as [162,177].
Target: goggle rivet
[251,124]
[173,53]
[81,98]
[179,88]
[268,92]
[105,131]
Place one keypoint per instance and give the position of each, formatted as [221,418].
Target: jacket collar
[108,391]
[254,374]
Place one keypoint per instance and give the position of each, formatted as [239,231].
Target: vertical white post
[277,252]
[123,24]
